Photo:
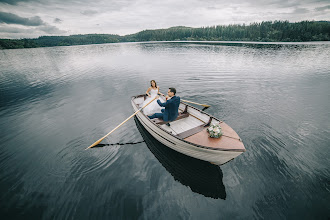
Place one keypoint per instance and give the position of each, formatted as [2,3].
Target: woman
[153,107]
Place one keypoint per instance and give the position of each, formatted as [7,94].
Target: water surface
[54,102]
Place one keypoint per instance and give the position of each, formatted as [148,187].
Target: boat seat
[194,130]
[190,132]
[180,116]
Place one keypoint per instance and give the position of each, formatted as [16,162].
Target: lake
[55,102]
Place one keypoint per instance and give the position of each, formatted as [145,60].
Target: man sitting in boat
[170,113]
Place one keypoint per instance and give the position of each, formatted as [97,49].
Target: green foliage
[48,41]
[14,44]
[266,31]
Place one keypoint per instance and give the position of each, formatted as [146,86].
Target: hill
[267,31]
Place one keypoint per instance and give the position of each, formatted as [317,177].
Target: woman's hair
[154,82]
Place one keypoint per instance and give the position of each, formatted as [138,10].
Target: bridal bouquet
[214,131]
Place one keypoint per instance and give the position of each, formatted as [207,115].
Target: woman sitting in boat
[152,92]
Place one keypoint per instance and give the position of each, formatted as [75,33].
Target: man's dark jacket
[171,108]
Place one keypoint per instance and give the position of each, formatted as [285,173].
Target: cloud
[15,30]
[300,11]
[49,29]
[130,16]
[322,8]
[10,18]
[10,2]
[8,32]
[89,12]
[15,2]
[30,27]
[57,20]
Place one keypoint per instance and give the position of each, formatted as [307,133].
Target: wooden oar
[97,142]
[206,106]
[196,103]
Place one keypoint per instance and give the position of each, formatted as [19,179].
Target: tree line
[266,31]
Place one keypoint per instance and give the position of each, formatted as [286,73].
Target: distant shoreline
[267,32]
[239,42]
[227,43]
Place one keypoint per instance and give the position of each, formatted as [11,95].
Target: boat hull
[215,156]
[200,176]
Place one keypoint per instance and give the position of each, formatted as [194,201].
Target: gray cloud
[15,30]
[10,18]
[89,12]
[49,29]
[15,2]
[322,8]
[10,2]
[57,20]
[276,3]
[66,2]
[7,32]
[30,26]
[300,11]
[130,16]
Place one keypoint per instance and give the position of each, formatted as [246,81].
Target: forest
[266,31]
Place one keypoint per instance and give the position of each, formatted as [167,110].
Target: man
[170,113]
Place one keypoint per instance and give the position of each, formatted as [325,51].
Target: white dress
[153,107]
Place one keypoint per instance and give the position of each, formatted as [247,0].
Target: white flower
[214,130]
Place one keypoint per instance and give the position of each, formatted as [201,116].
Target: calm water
[55,102]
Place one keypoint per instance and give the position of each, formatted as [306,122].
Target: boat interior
[191,125]
[190,120]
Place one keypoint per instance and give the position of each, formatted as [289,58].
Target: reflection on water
[201,176]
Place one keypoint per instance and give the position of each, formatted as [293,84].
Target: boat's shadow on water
[202,177]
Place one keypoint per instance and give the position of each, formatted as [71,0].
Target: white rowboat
[188,134]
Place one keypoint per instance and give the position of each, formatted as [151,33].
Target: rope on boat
[232,137]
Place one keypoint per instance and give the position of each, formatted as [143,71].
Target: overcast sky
[34,18]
